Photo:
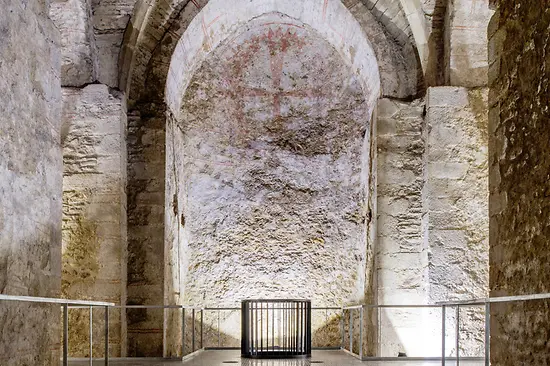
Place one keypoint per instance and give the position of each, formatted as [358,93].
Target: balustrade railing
[361,327]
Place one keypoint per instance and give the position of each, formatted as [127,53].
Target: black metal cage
[276,328]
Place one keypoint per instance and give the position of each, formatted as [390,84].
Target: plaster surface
[271,161]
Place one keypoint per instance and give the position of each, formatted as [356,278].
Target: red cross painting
[277,41]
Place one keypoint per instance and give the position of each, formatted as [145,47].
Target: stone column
[146,198]
[457,205]
[94,211]
[402,258]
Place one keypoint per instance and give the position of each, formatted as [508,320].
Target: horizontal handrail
[85,304]
[48,300]
[500,299]
[158,307]
[412,306]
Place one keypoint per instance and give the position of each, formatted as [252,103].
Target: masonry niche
[268,172]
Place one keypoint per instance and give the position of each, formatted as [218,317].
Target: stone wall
[146,266]
[272,172]
[30,182]
[432,213]
[466,34]
[94,211]
[401,251]
[457,206]
[92,32]
[519,46]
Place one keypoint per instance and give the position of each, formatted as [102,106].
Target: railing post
[65,334]
[361,324]
[219,334]
[443,316]
[487,333]
[342,329]
[457,335]
[182,331]
[164,346]
[202,327]
[193,331]
[91,336]
[106,336]
[351,330]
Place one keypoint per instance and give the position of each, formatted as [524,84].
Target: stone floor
[325,358]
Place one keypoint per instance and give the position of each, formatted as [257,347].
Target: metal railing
[486,303]
[185,310]
[353,315]
[361,309]
[446,308]
[66,304]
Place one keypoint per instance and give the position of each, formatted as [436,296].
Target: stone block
[447,97]
[73,19]
[448,170]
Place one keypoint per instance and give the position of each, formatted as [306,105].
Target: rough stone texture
[272,172]
[94,211]
[432,212]
[467,36]
[30,182]
[333,22]
[401,252]
[158,26]
[92,32]
[146,171]
[401,77]
[404,19]
[457,174]
[110,19]
[73,19]
[457,204]
[519,49]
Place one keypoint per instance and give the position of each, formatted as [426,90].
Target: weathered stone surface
[92,32]
[457,205]
[145,194]
[457,171]
[110,19]
[94,210]
[432,212]
[400,71]
[467,32]
[266,178]
[401,253]
[30,182]
[78,48]
[163,23]
[519,97]
[271,172]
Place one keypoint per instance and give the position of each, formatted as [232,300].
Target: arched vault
[376,38]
